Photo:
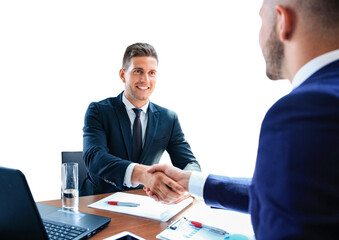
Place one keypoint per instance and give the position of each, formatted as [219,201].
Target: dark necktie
[137,136]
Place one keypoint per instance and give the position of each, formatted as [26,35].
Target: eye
[138,71]
[153,73]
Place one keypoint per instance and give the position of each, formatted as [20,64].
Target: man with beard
[294,192]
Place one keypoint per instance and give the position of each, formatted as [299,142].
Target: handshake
[166,183]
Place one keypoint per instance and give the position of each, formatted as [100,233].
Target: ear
[284,23]
[122,75]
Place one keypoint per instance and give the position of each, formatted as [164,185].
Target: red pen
[214,229]
[124,204]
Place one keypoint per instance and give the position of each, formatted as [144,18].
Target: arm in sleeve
[220,191]
[98,160]
[228,193]
[179,150]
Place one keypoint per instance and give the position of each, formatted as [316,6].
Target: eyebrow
[140,68]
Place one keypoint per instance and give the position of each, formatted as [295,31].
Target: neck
[136,103]
[298,53]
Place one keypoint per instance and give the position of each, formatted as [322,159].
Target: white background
[58,56]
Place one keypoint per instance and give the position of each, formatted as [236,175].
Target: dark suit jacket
[295,188]
[108,144]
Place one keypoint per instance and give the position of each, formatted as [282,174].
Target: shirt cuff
[196,184]
[128,176]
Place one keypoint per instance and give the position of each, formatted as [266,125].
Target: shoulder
[164,112]
[105,104]
[311,101]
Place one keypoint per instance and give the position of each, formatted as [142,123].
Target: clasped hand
[166,184]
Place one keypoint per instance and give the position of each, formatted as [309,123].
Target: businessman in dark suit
[294,192]
[126,134]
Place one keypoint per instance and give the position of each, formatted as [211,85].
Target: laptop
[22,218]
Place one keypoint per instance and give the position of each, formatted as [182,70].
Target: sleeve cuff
[128,176]
[196,184]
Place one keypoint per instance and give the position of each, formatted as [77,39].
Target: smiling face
[139,79]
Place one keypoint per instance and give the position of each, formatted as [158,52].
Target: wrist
[139,174]
[196,184]
[187,179]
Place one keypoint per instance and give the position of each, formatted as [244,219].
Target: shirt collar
[314,65]
[130,106]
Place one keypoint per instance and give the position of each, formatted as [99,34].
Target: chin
[274,73]
[272,76]
[142,97]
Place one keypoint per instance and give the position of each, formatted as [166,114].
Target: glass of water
[70,186]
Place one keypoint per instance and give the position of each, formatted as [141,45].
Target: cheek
[261,33]
[130,80]
[153,81]
[263,36]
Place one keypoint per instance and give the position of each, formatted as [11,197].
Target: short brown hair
[138,50]
[322,14]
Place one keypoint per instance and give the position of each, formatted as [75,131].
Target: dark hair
[138,50]
[321,14]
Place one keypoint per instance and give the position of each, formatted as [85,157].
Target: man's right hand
[179,176]
[162,187]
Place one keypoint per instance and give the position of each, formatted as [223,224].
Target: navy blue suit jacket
[108,144]
[294,192]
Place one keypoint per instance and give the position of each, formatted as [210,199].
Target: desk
[234,222]
[143,227]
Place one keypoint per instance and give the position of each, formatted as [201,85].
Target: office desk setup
[143,227]
[22,218]
[149,228]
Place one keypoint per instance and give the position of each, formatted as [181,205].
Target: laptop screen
[19,218]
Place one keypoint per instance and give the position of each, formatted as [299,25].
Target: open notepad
[149,208]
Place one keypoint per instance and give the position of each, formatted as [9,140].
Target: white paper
[149,208]
[232,221]
[188,231]
[237,224]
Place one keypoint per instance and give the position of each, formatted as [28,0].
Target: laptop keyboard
[62,231]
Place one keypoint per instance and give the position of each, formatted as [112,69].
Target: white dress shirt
[314,65]
[144,120]
[197,179]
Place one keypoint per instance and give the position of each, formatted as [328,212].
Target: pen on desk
[214,229]
[124,204]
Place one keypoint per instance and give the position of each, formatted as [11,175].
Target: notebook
[22,218]
[148,207]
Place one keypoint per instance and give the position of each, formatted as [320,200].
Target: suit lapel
[125,124]
[152,126]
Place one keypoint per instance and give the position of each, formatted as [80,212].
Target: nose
[145,78]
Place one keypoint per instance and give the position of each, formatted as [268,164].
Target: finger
[157,167]
[170,197]
[149,193]
[167,195]
[183,197]
[162,193]
[159,188]
[174,186]
[155,197]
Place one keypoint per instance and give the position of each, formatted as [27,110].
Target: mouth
[142,88]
